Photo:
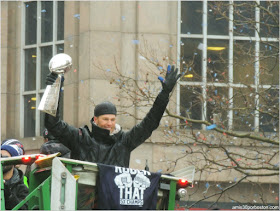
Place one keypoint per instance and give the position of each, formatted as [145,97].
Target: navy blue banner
[127,189]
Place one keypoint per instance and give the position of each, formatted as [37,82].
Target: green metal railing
[40,183]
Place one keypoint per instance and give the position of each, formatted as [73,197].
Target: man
[107,143]
[14,188]
[51,145]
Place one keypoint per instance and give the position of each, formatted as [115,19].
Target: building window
[229,55]
[43,38]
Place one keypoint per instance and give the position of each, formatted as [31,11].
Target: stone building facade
[103,37]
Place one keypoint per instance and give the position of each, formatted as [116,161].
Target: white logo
[132,190]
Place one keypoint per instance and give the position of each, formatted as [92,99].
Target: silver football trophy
[59,64]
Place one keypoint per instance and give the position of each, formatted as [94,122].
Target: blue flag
[126,188]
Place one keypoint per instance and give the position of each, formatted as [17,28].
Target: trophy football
[59,64]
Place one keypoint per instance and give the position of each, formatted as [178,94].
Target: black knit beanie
[105,108]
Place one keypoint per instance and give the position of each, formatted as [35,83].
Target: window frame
[231,38]
[54,43]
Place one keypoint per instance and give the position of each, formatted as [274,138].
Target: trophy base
[53,113]
[50,98]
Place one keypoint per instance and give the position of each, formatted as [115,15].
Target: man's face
[106,121]
[6,154]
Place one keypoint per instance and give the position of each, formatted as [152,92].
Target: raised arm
[142,131]
[66,134]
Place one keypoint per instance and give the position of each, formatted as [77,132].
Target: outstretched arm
[66,134]
[142,131]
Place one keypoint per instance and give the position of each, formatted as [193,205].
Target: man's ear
[94,118]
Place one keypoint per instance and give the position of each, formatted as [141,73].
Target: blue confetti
[210,127]
[235,179]
[216,92]
[170,46]
[123,18]
[190,69]
[215,75]
[207,185]
[160,67]
[43,10]
[219,186]
[136,42]
[108,70]
[77,16]
[159,171]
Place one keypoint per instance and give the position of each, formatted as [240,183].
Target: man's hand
[51,77]
[170,79]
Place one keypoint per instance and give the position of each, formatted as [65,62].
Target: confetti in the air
[210,127]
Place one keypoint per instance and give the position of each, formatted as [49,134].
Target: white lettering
[131,202]
[142,193]
[125,170]
[136,194]
[146,172]
[128,192]
[131,190]
[118,169]
[121,191]
[133,171]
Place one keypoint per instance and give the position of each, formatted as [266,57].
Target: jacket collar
[17,175]
[117,129]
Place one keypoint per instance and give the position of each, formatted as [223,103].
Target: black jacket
[98,145]
[15,191]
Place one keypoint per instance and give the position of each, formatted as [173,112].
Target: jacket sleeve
[16,196]
[143,130]
[66,134]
